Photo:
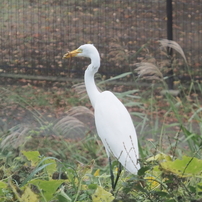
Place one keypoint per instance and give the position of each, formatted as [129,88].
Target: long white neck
[91,88]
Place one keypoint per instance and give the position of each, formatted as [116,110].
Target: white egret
[113,122]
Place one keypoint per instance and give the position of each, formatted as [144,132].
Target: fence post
[169,9]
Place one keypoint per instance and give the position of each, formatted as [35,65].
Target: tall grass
[45,163]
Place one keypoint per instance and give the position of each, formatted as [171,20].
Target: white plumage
[113,122]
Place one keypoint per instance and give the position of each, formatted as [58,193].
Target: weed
[45,163]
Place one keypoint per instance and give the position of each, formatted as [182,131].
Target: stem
[62,193]
[111,174]
[78,190]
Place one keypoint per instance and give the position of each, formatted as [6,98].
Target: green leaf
[51,168]
[185,167]
[143,170]
[33,156]
[160,157]
[47,163]
[92,186]
[116,77]
[33,173]
[194,140]
[162,193]
[29,196]
[128,93]
[48,188]
[102,195]
[199,187]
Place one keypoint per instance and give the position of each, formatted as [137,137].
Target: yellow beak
[71,54]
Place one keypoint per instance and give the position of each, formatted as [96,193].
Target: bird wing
[116,130]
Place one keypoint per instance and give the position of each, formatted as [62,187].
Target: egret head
[86,50]
[89,51]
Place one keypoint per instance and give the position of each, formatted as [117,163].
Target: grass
[44,163]
[77,169]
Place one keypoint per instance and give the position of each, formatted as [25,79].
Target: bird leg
[111,173]
[118,174]
[114,183]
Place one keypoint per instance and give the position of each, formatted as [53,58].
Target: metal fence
[34,34]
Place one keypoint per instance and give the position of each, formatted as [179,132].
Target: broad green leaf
[51,168]
[48,188]
[102,195]
[33,156]
[185,167]
[47,163]
[29,196]
[33,173]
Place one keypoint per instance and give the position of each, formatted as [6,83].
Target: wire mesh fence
[34,34]
[187,28]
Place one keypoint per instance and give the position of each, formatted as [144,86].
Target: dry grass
[17,136]
[80,110]
[80,89]
[76,123]
[149,71]
[165,43]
